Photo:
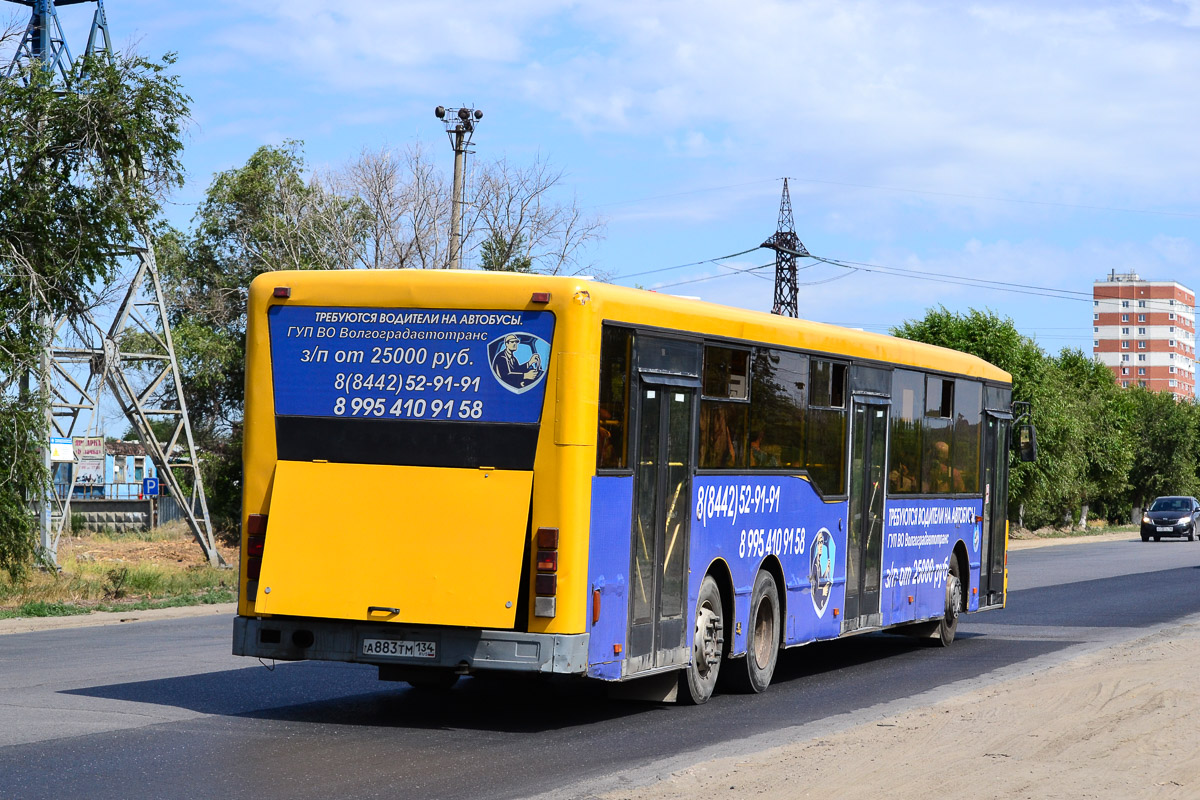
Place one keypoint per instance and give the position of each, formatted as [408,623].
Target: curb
[98,618]
[1030,544]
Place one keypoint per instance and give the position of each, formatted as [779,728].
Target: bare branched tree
[11,31]
[402,205]
[516,209]
[511,212]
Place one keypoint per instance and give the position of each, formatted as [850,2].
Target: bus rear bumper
[297,639]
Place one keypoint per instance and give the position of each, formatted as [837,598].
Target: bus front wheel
[697,682]
[753,673]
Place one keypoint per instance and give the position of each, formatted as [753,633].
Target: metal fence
[169,509]
[100,491]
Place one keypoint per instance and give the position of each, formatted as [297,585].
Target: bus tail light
[256,541]
[545,583]
[547,538]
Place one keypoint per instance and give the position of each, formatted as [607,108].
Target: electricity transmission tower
[133,355]
[44,40]
[788,248]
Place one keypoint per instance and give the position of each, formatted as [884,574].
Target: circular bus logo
[518,360]
[820,570]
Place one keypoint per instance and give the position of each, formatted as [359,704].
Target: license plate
[400,648]
[1164,527]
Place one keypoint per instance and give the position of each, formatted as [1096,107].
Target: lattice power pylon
[133,355]
[44,40]
[788,248]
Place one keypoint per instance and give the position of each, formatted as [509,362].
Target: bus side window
[908,405]
[778,398]
[826,445]
[968,421]
[723,409]
[612,437]
[938,475]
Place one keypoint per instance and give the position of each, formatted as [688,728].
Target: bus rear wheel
[697,682]
[752,674]
[432,679]
[954,594]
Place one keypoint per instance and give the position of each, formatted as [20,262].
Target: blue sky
[1038,143]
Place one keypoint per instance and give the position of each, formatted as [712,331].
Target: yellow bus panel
[441,546]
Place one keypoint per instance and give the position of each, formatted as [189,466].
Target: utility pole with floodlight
[460,127]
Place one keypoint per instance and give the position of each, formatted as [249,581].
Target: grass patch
[1076,533]
[170,532]
[39,609]
[82,587]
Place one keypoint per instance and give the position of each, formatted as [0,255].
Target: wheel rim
[953,600]
[706,647]
[764,633]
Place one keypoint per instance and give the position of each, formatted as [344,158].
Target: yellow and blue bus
[452,472]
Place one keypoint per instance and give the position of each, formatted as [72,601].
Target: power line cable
[897,272]
[735,271]
[692,264]
[1005,286]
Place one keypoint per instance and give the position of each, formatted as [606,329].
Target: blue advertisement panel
[400,363]
[742,519]
[919,539]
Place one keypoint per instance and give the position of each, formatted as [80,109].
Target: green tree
[997,340]
[501,254]
[1106,437]
[256,218]
[82,175]
[1166,446]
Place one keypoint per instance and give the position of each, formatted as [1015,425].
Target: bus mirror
[1026,443]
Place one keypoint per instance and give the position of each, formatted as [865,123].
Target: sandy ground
[179,551]
[1120,722]
[1123,722]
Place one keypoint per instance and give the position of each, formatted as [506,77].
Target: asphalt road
[159,709]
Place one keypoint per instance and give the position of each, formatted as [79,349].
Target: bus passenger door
[995,508]
[662,498]
[864,545]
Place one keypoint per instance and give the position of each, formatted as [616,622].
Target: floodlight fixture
[460,127]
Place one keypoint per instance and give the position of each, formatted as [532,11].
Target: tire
[752,674]
[1145,537]
[946,629]
[1191,534]
[696,683]
[1158,538]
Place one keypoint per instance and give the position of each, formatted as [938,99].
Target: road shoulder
[1112,722]
[97,618]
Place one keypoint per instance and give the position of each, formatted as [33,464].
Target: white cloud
[1066,101]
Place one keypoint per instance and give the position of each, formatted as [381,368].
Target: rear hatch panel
[439,546]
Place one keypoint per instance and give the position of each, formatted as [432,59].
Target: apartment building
[1145,332]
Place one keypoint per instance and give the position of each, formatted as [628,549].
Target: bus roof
[478,289]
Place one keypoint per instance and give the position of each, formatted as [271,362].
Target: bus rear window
[386,370]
